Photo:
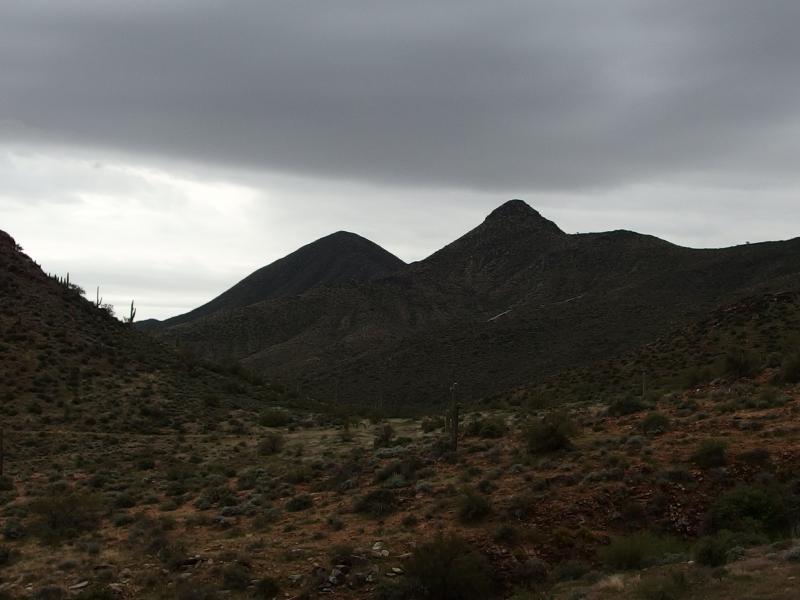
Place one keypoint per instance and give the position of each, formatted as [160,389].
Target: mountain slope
[513,301]
[335,259]
[66,363]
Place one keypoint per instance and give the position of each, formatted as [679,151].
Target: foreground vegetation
[532,505]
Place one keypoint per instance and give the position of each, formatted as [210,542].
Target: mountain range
[513,301]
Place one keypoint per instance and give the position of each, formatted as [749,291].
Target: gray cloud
[493,95]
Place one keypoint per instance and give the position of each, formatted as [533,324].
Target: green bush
[448,568]
[552,433]
[472,507]
[790,370]
[712,551]
[623,407]
[384,434]
[63,515]
[432,424]
[637,551]
[298,503]
[750,508]
[267,588]
[271,443]
[489,428]
[377,503]
[274,417]
[672,586]
[655,423]
[739,362]
[710,454]
[236,577]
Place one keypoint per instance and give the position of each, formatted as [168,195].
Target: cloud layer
[510,94]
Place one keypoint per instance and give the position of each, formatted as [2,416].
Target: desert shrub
[448,568]
[49,592]
[522,506]
[271,443]
[506,534]
[384,434]
[672,586]
[739,362]
[637,551]
[488,427]
[655,423]
[710,454]
[151,536]
[274,417]
[218,495]
[472,507]
[64,514]
[14,530]
[5,555]
[377,503]
[712,551]
[552,433]
[267,588]
[790,370]
[756,456]
[750,508]
[492,428]
[341,554]
[236,576]
[570,570]
[432,424]
[623,407]
[195,591]
[298,474]
[298,503]
[406,468]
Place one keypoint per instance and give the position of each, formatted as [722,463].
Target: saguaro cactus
[453,418]
[129,319]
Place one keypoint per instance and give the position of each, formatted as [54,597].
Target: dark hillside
[66,363]
[515,300]
[339,258]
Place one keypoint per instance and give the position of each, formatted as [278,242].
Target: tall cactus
[129,319]
[453,417]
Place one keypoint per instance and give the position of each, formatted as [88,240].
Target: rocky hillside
[514,301]
[66,363]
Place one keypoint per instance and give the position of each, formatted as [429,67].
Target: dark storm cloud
[494,95]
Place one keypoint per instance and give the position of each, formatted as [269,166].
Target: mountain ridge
[566,299]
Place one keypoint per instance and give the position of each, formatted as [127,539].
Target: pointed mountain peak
[519,212]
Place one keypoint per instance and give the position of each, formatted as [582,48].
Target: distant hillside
[756,334]
[66,363]
[339,258]
[514,301]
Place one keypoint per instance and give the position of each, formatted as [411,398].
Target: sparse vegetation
[710,454]
[447,568]
[552,433]
[638,550]
[271,443]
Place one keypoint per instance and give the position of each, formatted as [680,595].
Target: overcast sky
[163,149]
